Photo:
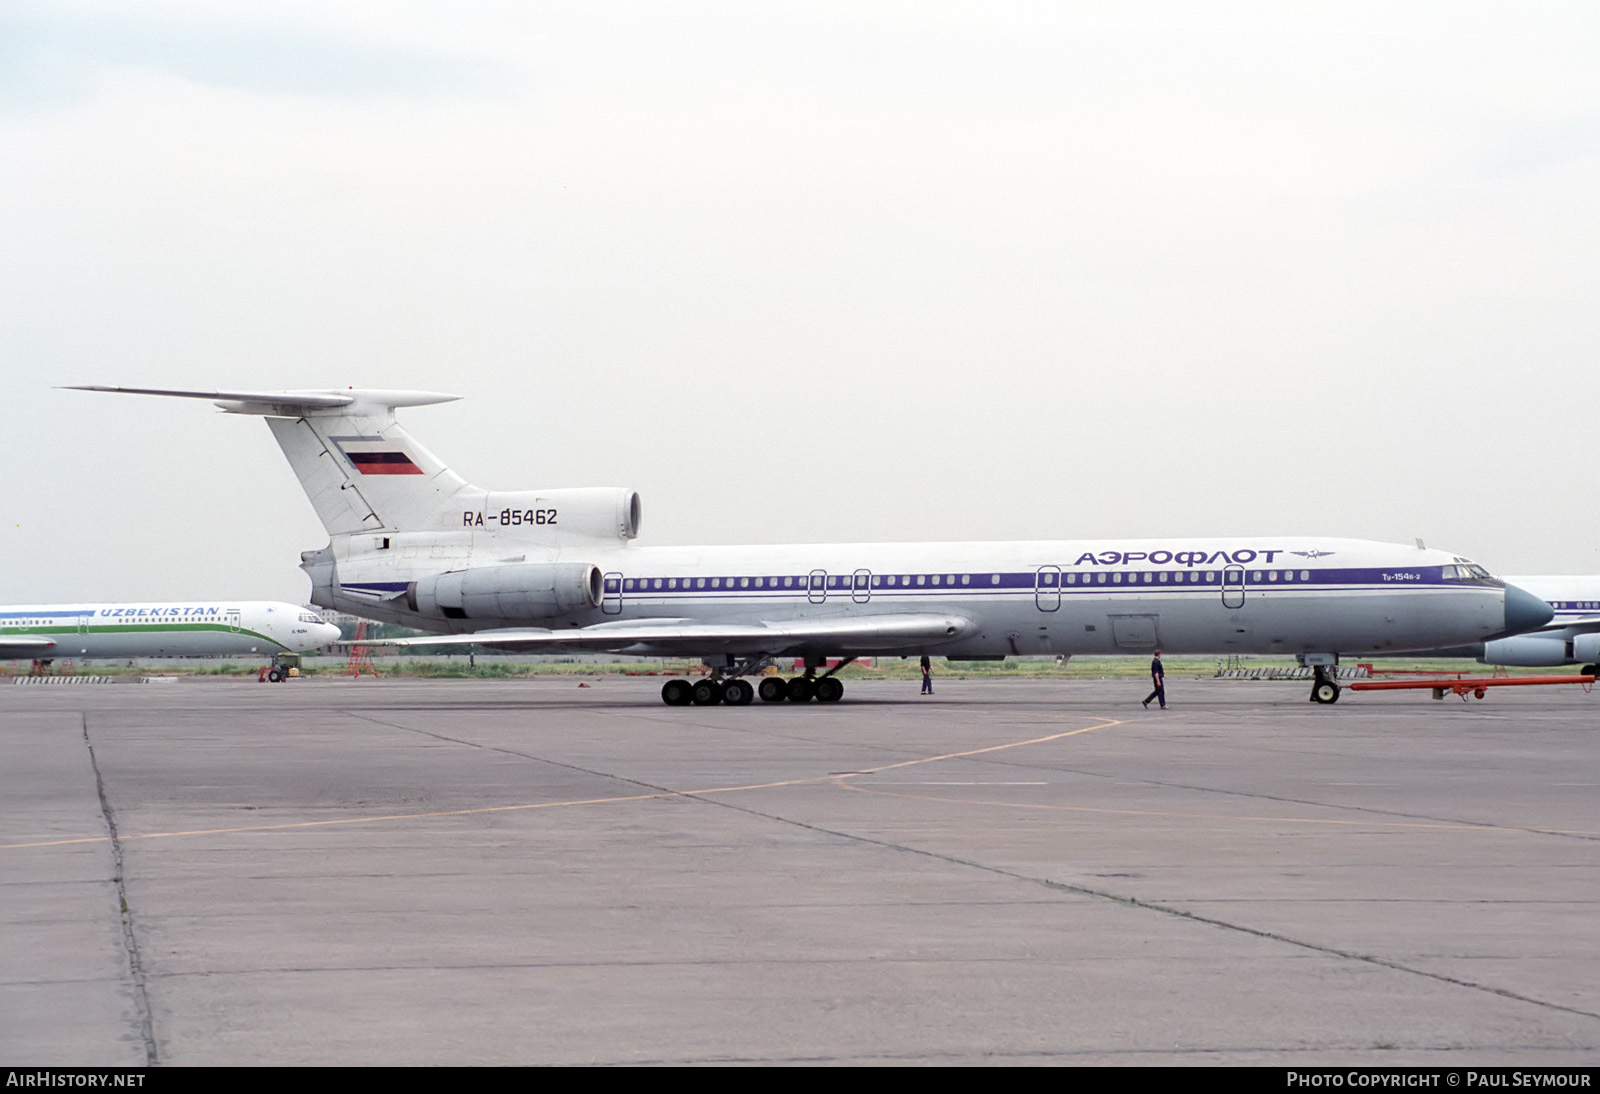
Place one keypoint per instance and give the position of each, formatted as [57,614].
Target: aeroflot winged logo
[376,456]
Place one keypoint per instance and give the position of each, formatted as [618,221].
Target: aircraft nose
[1524,611]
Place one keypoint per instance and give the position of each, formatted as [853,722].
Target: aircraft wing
[669,637]
[22,645]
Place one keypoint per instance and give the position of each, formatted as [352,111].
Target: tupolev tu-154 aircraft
[411,542]
[173,628]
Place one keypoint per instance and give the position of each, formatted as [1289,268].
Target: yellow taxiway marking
[839,780]
[1231,817]
[288,826]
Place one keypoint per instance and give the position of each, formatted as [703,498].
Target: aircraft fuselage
[160,629]
[1257,595]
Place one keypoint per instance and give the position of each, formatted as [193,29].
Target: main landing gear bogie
[739,692]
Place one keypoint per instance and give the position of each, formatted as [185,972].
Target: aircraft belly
[1278,623]
[136,643]
[1269,623]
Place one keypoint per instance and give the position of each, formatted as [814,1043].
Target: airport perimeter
[1014,871]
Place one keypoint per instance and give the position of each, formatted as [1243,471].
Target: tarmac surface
[332,871]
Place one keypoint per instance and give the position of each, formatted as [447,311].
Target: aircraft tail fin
[361,470]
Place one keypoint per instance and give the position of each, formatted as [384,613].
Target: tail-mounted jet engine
[521,592]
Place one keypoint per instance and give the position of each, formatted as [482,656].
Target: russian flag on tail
[377,456]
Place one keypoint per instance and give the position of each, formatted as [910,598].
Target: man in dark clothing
[927,675]
[1158,677]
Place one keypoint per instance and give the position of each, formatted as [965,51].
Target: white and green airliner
[46,632]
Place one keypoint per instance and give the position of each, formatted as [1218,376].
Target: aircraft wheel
[1325,691]
[738,693]
[800,690]
[829,690]
[1589,670]
[772,690]
[707,693]
[676,693]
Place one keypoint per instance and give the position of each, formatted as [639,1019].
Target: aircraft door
[233,620]
[1233,587]
[1047,588]
[1134,632]
[611,595]
[861,586]
[817,586]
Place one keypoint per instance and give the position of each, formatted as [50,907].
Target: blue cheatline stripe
[839,584]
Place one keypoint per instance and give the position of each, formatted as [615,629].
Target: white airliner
[1572,637]
[164,629]
[411,542]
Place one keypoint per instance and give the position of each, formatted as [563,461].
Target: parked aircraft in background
[1572,637]
[413,543]
[45,632]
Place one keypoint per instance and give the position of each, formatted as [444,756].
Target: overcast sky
[806,271]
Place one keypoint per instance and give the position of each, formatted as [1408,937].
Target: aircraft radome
[411,542]
[169,628]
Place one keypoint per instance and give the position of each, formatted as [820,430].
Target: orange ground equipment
[1463,684]
[361,655]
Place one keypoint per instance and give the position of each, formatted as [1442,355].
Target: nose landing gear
[1324,687]
[1324,675]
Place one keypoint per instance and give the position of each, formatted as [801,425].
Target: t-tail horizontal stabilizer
[291,404]
[362,471]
